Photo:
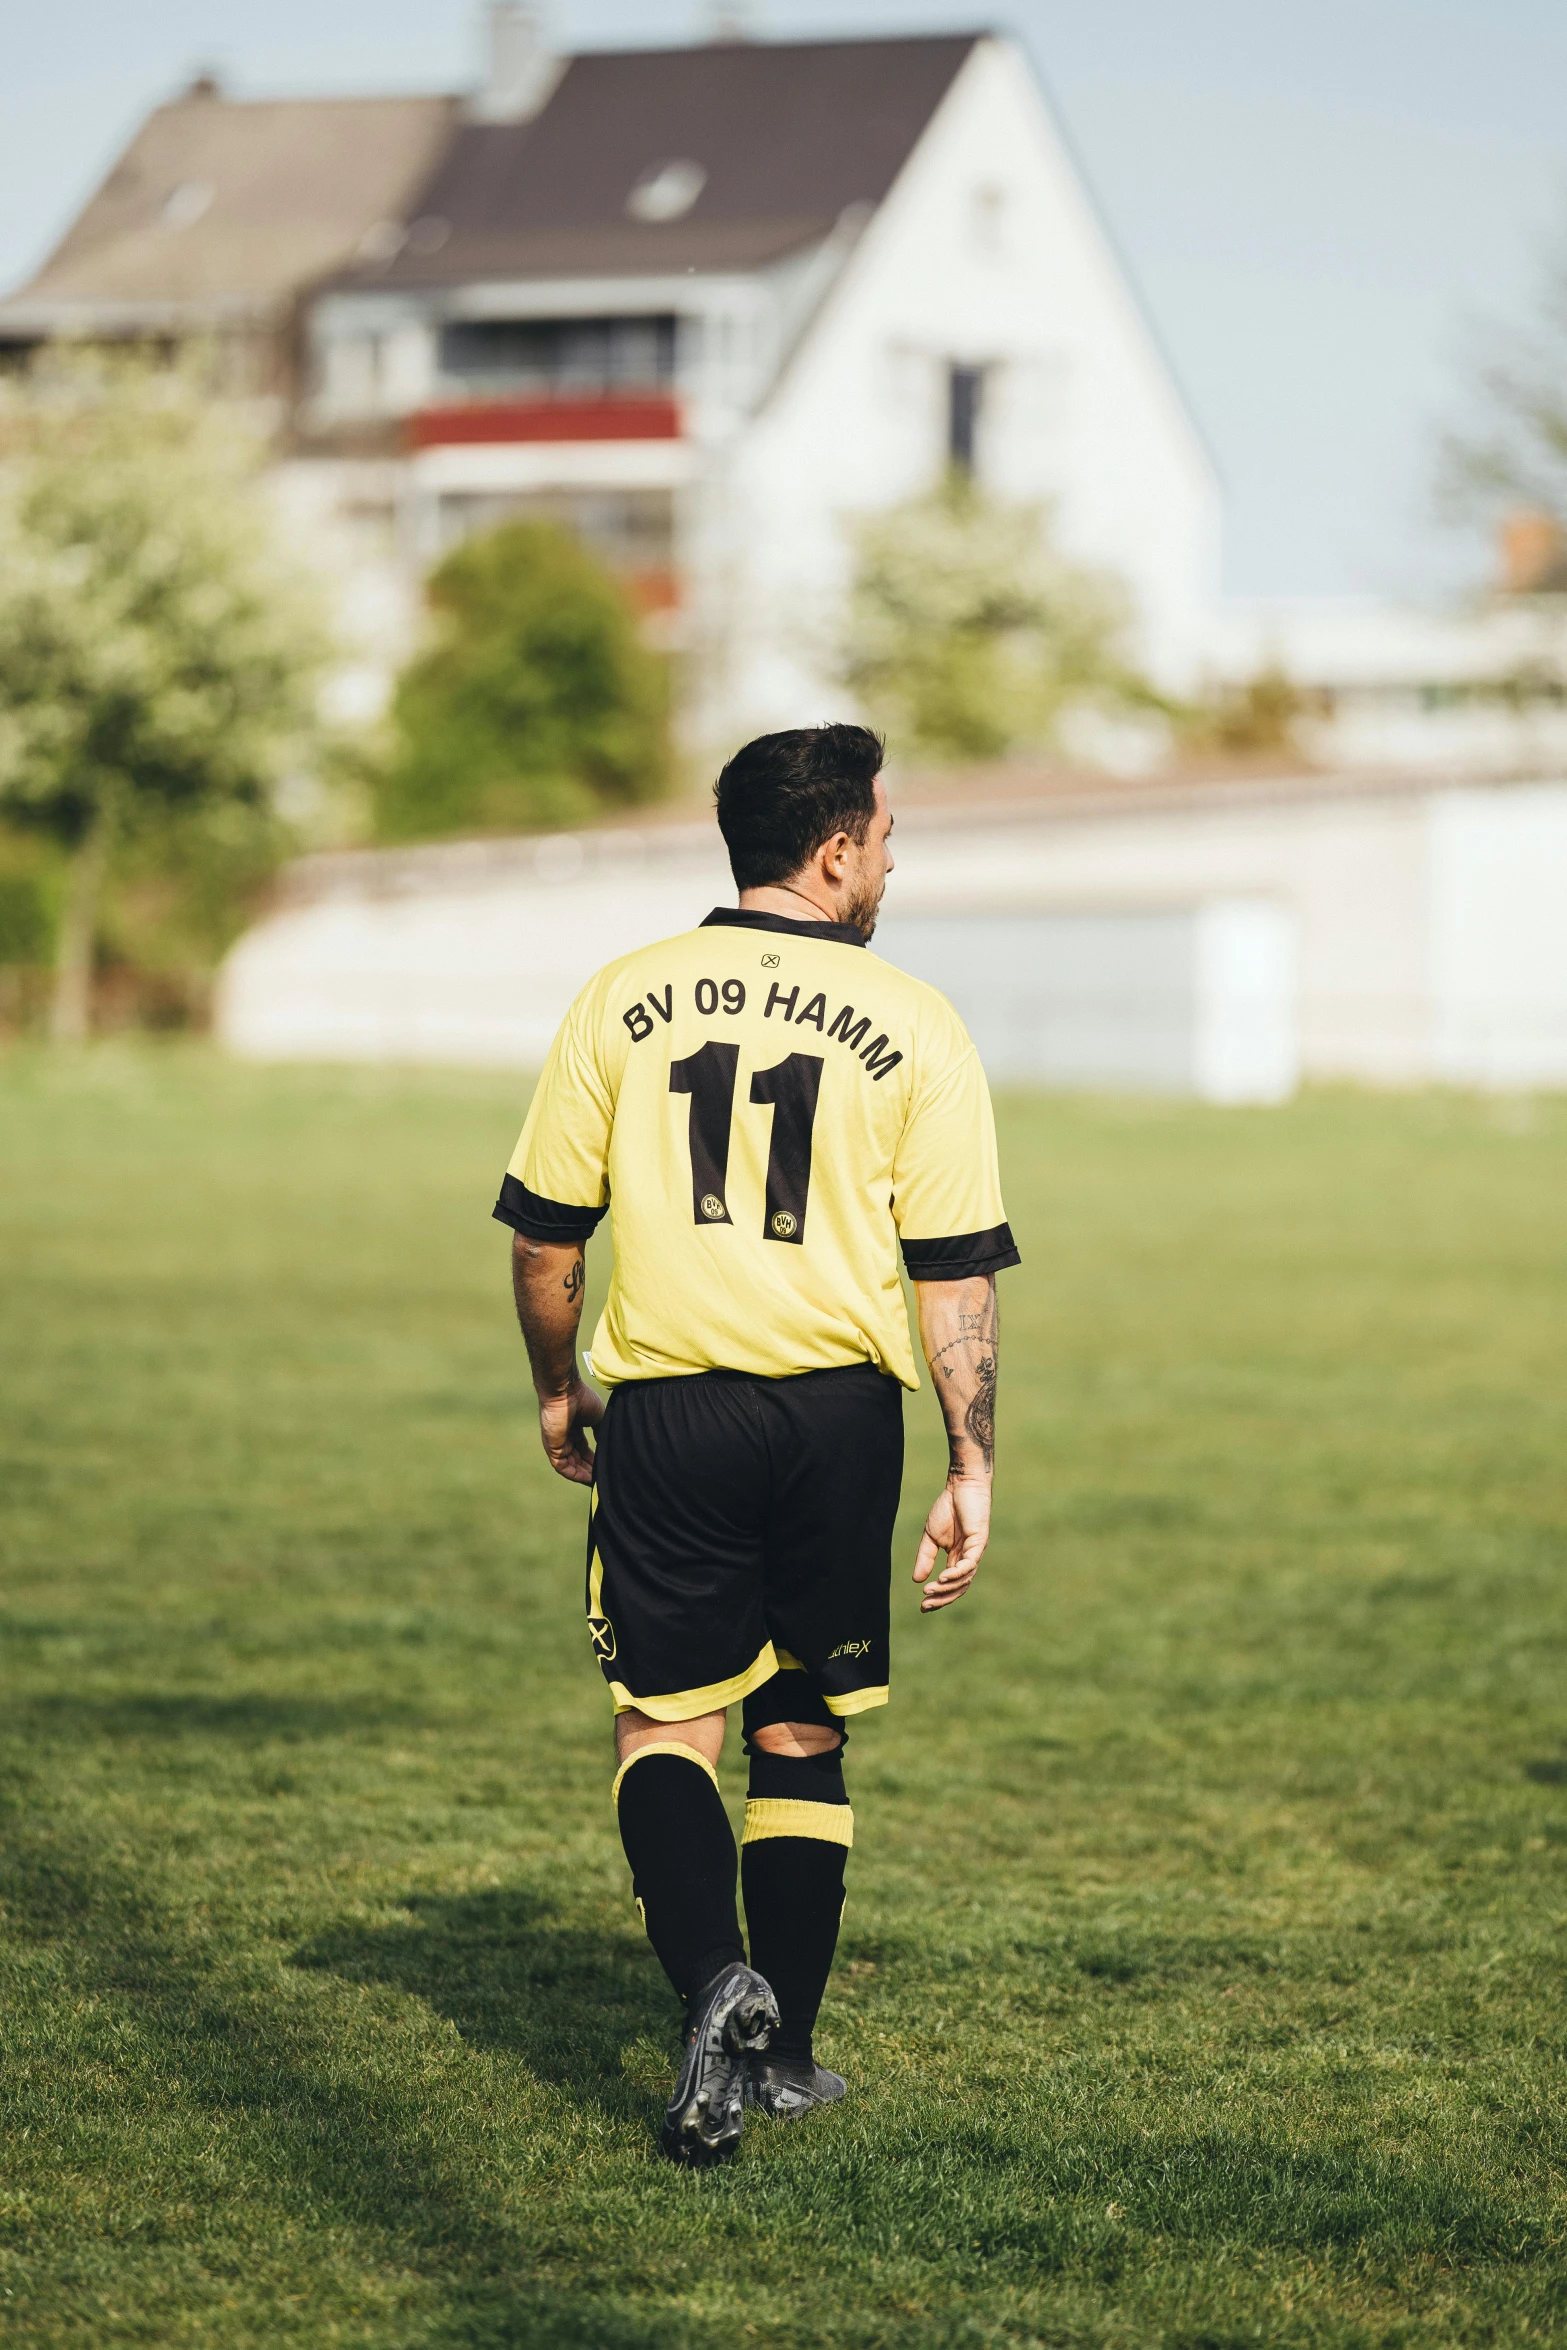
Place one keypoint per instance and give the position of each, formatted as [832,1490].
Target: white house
[703,304]
[709,302]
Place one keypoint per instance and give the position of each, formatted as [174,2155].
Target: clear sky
[1312,199]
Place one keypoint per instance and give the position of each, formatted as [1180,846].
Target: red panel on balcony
[648,418]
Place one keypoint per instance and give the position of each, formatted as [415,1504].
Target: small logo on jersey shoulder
[771,962]
[712,1206]
[785,1225]
[602,1634]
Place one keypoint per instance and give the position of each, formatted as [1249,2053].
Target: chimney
[520,69]
[1534,554]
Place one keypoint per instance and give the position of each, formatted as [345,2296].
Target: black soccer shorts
[742,1526]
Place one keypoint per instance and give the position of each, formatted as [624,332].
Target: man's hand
[547,1281]
[959,1524]
[564,1421]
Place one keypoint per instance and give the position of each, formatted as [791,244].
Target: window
[987,214]
[965,393]
[560,358]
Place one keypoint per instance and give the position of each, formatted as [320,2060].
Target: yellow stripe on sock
[787,1815]
[661,1746]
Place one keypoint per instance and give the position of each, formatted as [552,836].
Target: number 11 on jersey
[791,1087]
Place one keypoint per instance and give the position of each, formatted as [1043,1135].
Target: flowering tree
[155,652]
[969,634]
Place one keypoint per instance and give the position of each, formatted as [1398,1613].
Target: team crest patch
[602,1634]
[785,1225]
[712,1206]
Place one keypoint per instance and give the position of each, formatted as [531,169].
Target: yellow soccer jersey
[765,1109]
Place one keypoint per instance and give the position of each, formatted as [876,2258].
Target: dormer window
[667,191]
[184,205]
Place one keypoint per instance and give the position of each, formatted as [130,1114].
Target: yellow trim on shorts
[787,1815]
[683,1705]
[856,1701]
[661,1746]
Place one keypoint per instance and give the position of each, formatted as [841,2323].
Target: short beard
[861,912]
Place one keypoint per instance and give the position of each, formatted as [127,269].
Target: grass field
[1203,1970]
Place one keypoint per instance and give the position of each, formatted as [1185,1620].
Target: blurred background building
[700,304]
[709,309]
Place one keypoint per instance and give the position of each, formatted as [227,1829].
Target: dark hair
[785,794]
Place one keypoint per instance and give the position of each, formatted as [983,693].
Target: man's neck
[785,898]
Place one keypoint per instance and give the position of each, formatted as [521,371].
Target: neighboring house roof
[221,206]
[786,136]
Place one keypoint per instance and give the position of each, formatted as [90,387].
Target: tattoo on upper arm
[574,1282]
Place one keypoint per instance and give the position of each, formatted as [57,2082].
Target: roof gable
[786,136]
[220,203]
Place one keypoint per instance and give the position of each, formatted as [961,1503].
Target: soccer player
[765,1111]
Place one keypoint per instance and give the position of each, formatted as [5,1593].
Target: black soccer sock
[682,1853]
[798,1829]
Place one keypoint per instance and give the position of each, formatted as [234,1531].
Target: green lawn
[1203,1970]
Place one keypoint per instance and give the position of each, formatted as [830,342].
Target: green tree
[156,655]
[969,634]
[537,704]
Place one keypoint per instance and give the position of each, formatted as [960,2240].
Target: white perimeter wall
[1498,936]
[1424,934]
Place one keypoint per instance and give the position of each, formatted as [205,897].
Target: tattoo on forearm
[574,1283]
[980,1418]
[965,1369]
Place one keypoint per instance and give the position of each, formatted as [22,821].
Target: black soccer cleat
[734,2023]
[787,2086]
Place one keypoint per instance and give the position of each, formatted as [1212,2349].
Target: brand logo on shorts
[850,1648]
[602,1634]
[785,1225]
[712,1206]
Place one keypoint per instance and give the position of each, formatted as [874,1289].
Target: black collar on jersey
[752,918]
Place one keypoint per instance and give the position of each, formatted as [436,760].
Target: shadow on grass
[320,2104]
[514,1979]
[337,2133]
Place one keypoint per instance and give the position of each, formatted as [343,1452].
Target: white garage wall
[1228,944]
[1498,936]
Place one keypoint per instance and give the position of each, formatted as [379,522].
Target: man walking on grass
[765,1111]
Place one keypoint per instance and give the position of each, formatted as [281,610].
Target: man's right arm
[547,1280]
[960,1329]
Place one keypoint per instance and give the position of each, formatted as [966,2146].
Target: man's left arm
[960,1329]
[547,1280]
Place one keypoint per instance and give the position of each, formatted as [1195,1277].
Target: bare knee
[705,1733]
[796,1738]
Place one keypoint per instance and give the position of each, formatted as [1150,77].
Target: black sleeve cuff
[963,1257]
[544,1219]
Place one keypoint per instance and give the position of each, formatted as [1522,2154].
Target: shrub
[537,704]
